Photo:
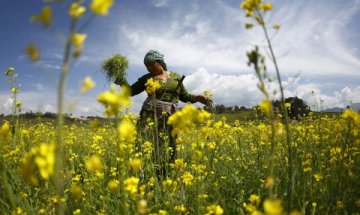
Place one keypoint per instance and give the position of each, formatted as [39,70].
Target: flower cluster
[256,9]
[183,120]
[42,158]
[127,129]
[87,85]
[152,85]
[115,101]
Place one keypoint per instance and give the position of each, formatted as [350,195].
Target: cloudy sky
[317,48]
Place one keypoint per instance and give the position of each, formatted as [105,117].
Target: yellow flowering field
[221,167]
[268,165]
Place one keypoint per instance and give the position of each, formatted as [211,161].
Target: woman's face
[154,68]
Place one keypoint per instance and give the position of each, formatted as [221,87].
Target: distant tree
[298,107]
[49,115]
[220,108]
[242,108]
[229,109]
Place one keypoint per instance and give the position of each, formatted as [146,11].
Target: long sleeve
[137,87]
[184,96]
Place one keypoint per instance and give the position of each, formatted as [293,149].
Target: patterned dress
[171,90]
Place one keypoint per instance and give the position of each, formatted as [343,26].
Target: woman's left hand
[202,99]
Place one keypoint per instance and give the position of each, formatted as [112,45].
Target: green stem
[272,121]
[157,145]
[14,124]
[60,120]
[286,121]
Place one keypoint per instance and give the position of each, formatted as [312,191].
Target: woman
[159,106]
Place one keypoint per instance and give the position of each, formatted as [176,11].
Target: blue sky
[317,49]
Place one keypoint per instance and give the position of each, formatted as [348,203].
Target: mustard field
[220,168]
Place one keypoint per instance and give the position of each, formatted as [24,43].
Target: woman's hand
[202,99]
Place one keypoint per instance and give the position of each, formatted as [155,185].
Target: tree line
[296,108]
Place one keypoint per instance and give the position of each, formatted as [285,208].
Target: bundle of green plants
[115,68]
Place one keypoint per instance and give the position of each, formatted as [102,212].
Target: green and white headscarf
[152,56]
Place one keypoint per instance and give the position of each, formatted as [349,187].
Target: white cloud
[229,90]
[312,38]
[161,3]
[242,90]
[38,86]
[7,104]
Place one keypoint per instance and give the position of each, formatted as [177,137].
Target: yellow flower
[77,211]
[254,199]
[288,106]
[266,106]
[203,196]
[250,5]
[78,39]
[267,6]
[152,85]
[41,211]
[214,210]
[5,130]
[45,17]
[143,207]
[170,185]
[45,160]
[273,207]
[87,85]
[318,177]
[187,178]
[9,71]
[180,208]
[208,94]
[248,25]
[76,10]
[131,185]
[101,7]
[340,204]
[19,211]
[125,96]
[277,27]
[23,195]
[113,186]
[75,191]
[127,130]
[352,116]
[32,52]
[249,208]
[18,104]
[135,164]
[249,13]
[163,212]
[94,164]
[183,120]
[269,182]
[41,157]
[260,20]
[14,90]
[295,212]
[114,100]
[108,97]
[179,164]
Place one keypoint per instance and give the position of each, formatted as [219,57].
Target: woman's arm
[137,87]
[184,96]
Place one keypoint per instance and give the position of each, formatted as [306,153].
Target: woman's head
[154,61]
